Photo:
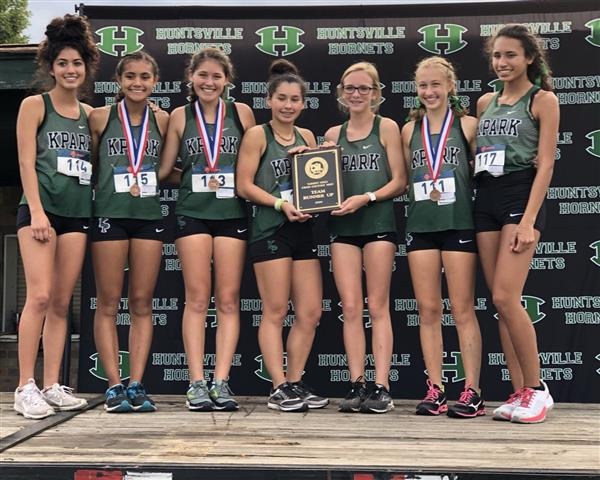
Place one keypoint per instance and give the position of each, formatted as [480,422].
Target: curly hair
[70,31]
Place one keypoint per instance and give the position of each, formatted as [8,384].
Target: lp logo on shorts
[433,38]
[596,258]
[532,306]
[262,372]
[594,148]
[129,41]
[289,40]
[98,370]
[454,371]
[594,37]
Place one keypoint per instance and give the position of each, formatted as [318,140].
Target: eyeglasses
[362,89]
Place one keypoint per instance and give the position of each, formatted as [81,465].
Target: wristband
[372,197]
[278,204]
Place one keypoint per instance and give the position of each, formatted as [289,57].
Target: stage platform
[258,443]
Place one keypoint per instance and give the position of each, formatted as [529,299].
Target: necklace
[285,139]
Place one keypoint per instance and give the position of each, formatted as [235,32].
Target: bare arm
[546,110]
[171,145]
[246,115]
[31,114]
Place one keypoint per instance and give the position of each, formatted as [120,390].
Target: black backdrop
[562,295]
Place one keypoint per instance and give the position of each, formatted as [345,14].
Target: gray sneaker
[30,402]
[198,398]
[222,396]
[61,397]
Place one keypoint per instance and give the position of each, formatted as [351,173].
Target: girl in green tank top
[373,173]
[283,278]
[134,137]
[520,63]
[54,146]
[207,193]
[437,143]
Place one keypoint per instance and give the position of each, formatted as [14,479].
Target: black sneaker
[355,397]
[140,401]
[469,405]
[117,400]
[434,402]
[378,400]
[286,399]
[307,394]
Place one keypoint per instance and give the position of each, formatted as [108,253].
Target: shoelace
[224,389]
[526,395]
[515,398]
[357,386]
[34,396]
[114,392]
[62,390]
[432,392]
[466,395]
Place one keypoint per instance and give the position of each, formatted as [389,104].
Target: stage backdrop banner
[562,294]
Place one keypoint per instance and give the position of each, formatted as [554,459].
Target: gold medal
[435,195]
[135,190]
[213,184]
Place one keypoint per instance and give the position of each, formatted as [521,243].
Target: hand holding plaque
[317,180]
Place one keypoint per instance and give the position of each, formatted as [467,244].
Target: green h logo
[532,306]
[98,369]
[594,37]
[455,368]
[129,41]
[594,148]
[262,372]
[290,40]
[432,38]
[596,258]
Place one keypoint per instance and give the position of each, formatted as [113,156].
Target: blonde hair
[450,73]
[371,70]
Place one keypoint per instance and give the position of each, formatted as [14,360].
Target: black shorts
[293,239]
[233,228]
[445,241]
[361,240]
[125,228]
[502,200]
[60,224]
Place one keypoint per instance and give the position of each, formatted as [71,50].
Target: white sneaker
[535,404]
[505,411]
[30,402]
[61,397]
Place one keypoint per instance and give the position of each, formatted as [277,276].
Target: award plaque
[317,180]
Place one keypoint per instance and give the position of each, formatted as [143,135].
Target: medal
[211,146]
[136,147]
[434,154]
[213,184]
[135,190]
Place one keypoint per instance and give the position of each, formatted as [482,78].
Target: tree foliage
[14,18]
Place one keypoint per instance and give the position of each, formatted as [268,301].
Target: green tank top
[429,215]
[365,168]
[512,126]
[274,175]
[113,165]
[203,203]
[62,152]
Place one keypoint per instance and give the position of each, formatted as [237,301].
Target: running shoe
[534,406]
[285,398]
[505,411]
[60,397]
[378,400]
[469,405]
[222,396]
[117,400]
[30,402]
[434,402]
[198,397]
[140,401]
[355,397]
[308,395]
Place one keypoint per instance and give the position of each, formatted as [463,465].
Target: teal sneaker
[140,401]
[222,396]
[117,400]
[198,398]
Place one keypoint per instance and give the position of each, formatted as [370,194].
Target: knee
[430,313]
[379,310]
[39,301]
[503,301]
[60,308]
[353,312]
[109,305]
[463,315]
[140,305]
[197,304]
[275,312]
[228,304]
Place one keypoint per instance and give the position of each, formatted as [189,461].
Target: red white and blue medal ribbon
[434,154]
[211,145]
[136,147]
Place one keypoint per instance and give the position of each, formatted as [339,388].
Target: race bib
[445,187]
[73,164]
[490,158]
